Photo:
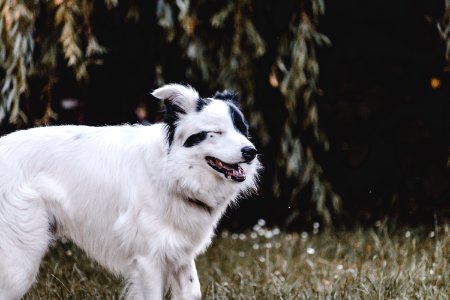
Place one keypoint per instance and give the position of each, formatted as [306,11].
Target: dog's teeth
[230,171]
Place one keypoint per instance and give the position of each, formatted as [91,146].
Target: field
[269,264]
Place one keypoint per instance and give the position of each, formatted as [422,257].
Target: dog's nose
[248,153]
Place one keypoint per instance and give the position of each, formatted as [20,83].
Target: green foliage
[269,264]
[16,52]
[220,64]
[299,86]
[67,27]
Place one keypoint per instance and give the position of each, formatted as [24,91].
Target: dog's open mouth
[231,171]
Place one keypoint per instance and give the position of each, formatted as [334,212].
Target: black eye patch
[202,103]
[195,139]
[238,120]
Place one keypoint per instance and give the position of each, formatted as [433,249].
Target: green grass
[268,264]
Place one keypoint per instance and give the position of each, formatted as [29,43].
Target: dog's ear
[178,98]
[227,95]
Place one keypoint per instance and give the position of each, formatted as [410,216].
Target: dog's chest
[174,233]
[175,245]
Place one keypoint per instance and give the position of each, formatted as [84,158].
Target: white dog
[141,200]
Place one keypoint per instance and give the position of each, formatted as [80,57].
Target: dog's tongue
[236,174]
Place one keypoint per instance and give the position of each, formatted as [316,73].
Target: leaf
[110,4]
[218,19]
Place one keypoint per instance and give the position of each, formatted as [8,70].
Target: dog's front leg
[185,284]
[146,281]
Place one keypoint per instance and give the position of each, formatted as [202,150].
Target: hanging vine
[232,65]
[297,63]
[67,29]
[444,29]
[17,19]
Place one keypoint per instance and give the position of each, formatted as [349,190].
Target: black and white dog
[141,200]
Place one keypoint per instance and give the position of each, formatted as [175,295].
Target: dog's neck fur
[200,205]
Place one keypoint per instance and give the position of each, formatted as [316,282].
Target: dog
[143,201]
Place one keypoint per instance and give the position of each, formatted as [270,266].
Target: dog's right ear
[178,98]
[230,96]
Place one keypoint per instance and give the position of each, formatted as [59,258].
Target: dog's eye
[195,139]
[216,132]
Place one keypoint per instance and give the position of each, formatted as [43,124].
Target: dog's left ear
[230,96]
[180,98]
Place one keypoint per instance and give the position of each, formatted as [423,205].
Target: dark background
[390,129]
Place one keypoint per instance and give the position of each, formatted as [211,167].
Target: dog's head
[208,138]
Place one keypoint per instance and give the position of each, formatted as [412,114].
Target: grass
[269,264]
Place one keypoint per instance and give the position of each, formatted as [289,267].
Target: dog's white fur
[121,193]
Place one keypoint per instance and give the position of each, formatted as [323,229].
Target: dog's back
[66,179]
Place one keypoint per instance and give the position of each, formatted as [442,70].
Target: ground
[269,264]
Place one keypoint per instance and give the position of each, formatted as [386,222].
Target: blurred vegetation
[86,62]
[27,52]
[265,263]
[220,48]
[444,29]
